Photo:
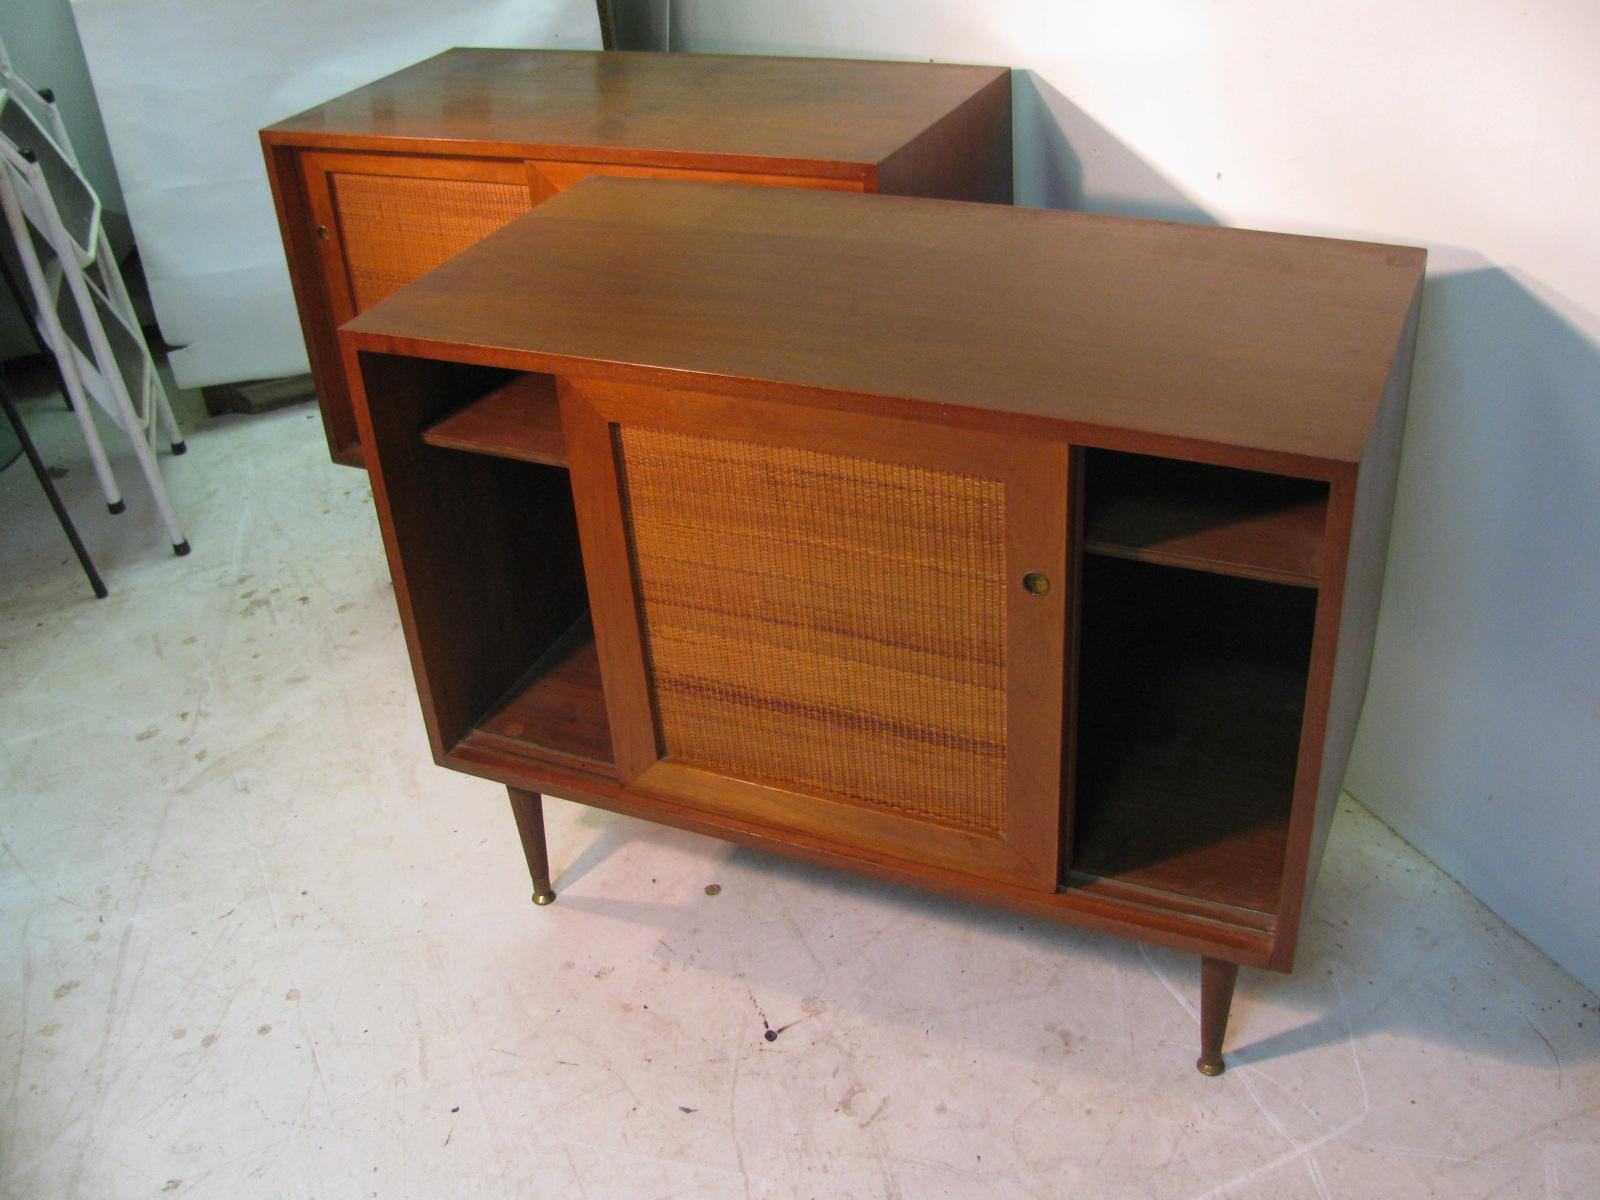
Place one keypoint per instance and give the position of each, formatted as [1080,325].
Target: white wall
[1467,126]
[186,85]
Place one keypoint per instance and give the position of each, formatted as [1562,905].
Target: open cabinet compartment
[1204,517]
[1197,604]
[481,503]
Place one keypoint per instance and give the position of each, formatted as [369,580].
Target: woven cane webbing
[824,623]
[395,229]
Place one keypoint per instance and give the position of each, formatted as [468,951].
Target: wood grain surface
[556,710]
[520,419]
[1257,349]
[830,117]
[478,134]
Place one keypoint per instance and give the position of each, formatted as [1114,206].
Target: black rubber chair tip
[100,592]
[119,506]
[181,548]
[179,448]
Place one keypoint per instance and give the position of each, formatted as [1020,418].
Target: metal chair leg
[50,492]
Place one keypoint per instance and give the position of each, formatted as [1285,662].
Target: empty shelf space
[1204,517]
[519,419]
[1194,800]
[1191,696]
[557,709]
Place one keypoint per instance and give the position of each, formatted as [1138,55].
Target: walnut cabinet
[377,187]
[1030,557]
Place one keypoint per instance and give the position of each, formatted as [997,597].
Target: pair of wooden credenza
[1031,557]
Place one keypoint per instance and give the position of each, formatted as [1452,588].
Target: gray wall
[44,47]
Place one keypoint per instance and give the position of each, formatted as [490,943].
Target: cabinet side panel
[964,156]
[1339,695]
[1369,552]
[311,301]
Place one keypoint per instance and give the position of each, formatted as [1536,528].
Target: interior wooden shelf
[1205,518]
[557,709]
[520,419]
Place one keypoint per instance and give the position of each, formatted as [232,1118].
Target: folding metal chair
[81,307]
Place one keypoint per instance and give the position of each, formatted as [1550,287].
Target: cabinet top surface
[1272,343]
[802,109]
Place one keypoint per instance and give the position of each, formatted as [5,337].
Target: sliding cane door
[833,624]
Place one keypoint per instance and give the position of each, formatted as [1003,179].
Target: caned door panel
[384,220]
[817,620]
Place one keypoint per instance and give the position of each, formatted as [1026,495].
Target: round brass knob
[1036,583]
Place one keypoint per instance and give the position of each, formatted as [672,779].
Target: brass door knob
[1036,583]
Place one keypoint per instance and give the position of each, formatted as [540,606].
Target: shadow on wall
[1480,740]
[1066,159]
[1501,449]
[641,24]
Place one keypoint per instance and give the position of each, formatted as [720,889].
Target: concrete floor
[256,945]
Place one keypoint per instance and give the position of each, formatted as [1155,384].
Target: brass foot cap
[1213,1066]
[545,897]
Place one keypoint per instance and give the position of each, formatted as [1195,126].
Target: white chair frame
[126,387]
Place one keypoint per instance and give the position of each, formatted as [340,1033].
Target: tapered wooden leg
[1216,997]
[528,808]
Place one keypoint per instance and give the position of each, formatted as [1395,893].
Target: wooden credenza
[377,187]
[1027,556]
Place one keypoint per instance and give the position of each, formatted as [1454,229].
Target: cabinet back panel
[826,623]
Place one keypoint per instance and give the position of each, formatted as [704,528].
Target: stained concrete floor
[256,945]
